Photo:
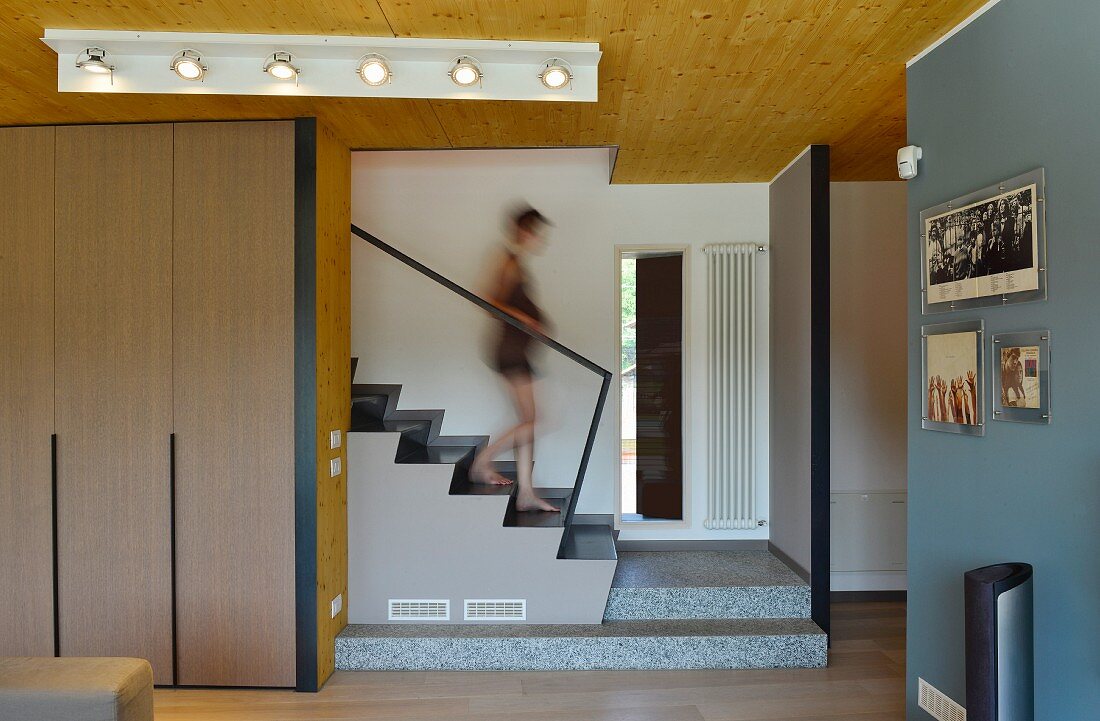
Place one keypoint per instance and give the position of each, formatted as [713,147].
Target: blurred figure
[509,291]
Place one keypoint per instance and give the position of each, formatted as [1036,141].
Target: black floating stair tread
[437,454]
[465,488]
[462,486]
[473,441]
[404,425]
[366,389]
[540,519]
[590,542]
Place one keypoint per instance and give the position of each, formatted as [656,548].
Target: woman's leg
[522,389]
[481,470]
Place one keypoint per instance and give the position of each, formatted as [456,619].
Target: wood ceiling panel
[691,90]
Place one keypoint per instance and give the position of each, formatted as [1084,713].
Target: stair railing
[549,342]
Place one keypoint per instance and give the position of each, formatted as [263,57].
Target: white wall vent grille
[491,609]
[936,703]
[418,609]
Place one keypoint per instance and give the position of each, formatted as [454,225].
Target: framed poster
[1021,379]
[986,248]
[953,388]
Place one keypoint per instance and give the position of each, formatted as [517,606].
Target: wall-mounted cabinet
[159,315]
[113,391]
[26,391]
[233,333]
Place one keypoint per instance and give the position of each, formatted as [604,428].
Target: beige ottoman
[75,689]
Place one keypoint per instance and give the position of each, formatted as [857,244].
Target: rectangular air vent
[936,703]
[496,609]
[419,609]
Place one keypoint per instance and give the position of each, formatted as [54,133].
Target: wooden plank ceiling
[692,91]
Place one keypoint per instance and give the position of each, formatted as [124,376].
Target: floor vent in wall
[418,609]
[936,703]
[489,609]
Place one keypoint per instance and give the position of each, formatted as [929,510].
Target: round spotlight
[281,66]
[556,74]
[465,72]
[188,65]
[374,70]
[92,61]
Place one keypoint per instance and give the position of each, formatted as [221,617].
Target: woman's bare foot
[525,502]
[488,477]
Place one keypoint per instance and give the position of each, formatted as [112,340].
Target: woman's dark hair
[529,219]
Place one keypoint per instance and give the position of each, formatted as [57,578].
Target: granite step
[705,584]
[612,645]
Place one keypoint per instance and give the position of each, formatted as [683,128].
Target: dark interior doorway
[655,383]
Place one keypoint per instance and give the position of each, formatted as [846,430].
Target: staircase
[424,532]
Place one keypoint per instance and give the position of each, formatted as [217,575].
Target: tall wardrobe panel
[26,392]
[113,380]
[234,403]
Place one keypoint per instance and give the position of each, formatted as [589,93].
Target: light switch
[337,605]
[333,440]
[334,467]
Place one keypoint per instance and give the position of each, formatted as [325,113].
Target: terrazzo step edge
[616,645]
[703,603]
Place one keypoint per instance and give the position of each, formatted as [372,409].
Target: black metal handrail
[572,355]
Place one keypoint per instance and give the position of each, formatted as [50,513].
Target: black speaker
[1000,674]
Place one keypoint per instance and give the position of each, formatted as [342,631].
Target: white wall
[444,208]
[868,384]
[791,197]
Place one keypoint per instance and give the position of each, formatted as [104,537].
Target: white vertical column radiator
[731,378]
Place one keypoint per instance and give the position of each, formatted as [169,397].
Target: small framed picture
[953,367]
[1021,379]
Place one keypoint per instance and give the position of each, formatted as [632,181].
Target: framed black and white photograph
[953,378]
[1021,377]
[987,247]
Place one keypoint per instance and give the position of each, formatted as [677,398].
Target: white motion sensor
[907,161]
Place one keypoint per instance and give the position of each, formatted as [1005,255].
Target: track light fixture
[92,60]
[374,70]
[465,72]
[280,65]
[336,66]
[556,74]
[188,65]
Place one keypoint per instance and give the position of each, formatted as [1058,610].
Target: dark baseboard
[802,572]
[693,545]
[867,596]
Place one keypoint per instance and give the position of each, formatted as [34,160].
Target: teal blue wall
[1017,89]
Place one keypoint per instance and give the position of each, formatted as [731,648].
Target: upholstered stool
[75,689]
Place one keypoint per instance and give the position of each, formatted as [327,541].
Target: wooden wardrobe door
[114,396]
[234,403]
[26,392]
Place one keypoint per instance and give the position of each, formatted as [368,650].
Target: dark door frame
[820,326]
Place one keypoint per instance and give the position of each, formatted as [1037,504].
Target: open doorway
[651,406]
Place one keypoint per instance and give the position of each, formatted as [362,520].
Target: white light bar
[328,65]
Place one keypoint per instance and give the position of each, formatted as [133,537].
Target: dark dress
[513,345]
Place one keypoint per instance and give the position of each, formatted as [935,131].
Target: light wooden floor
[864,682]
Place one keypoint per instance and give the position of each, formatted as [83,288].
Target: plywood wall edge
[333,311]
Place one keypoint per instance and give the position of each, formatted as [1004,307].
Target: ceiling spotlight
[91,60]
[375,70]
[466,72]
[556,74]
[281,66]
[188,65]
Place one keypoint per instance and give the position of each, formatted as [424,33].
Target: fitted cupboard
[159,419]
